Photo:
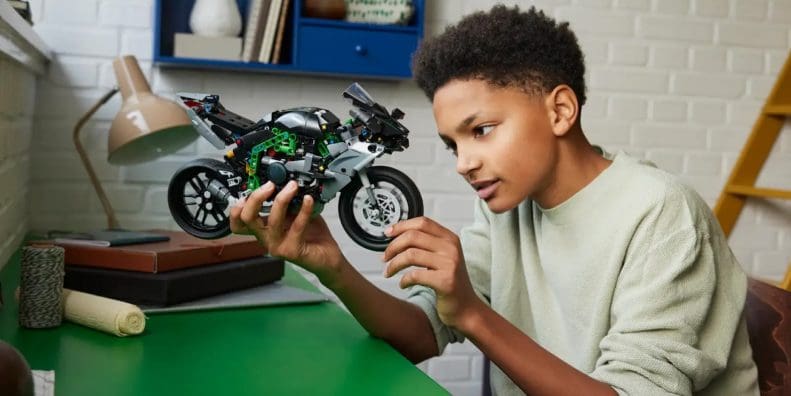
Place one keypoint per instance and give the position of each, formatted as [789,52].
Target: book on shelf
[281,27]
[107,238]
[180,251]
[173,287]
[254,29]
[270,30]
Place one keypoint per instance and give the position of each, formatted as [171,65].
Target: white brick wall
[17,89]
[677,81]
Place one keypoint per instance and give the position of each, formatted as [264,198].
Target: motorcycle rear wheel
[193,207]
[398,199]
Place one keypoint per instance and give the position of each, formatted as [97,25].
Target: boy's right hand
[302,239]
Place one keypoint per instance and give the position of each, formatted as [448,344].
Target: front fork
[369,189]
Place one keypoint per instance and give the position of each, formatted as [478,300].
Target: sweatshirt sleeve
[675,312]
[477,256]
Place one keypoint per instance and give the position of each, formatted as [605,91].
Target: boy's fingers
[297,227]
[412,257]
[279,209]
[421,223]
[254,202]
[413,238]
[237,226]
[419,276]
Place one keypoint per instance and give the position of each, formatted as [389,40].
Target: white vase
[216,18]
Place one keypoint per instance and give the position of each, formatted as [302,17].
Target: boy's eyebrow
[466,122]
[462,125]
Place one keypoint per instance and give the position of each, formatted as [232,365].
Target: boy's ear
[563,109]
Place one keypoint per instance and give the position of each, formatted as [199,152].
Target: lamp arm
[112,221]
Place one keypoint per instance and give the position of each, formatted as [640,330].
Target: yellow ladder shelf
[741,183]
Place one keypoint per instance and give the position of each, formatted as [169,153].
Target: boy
[583,273]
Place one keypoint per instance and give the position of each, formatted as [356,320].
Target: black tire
[394,189]
[194,209]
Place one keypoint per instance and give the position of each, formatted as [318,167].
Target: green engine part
[283,142]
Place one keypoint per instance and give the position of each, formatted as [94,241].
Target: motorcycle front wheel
[397,198]
[191,203]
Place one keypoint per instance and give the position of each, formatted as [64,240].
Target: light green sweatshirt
[630,280]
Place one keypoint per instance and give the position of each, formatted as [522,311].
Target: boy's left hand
[422,242]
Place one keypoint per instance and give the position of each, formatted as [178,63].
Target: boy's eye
[451,148]
[483,130]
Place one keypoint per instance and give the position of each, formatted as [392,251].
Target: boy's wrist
[473,318]
[337,274]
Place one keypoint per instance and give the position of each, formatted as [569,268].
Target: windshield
[357,93]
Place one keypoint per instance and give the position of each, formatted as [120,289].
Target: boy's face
[502,138]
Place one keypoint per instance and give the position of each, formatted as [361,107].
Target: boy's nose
[466,163]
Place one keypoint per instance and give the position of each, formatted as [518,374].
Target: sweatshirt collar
[590,196]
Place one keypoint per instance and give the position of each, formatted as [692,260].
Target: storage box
[174,287]
[193,46]
[181,251]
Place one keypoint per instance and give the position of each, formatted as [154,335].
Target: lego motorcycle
[306,144]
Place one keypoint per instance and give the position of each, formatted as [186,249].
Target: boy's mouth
[485,188]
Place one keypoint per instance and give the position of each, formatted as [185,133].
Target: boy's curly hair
[506,47]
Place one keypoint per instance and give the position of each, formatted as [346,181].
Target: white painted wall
[677,81]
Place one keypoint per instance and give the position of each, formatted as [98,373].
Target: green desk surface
[316,349]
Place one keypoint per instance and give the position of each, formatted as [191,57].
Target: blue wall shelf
[310,45]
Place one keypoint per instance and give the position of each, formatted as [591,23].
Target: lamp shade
[147,126]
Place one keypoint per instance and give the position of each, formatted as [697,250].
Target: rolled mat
[101,313]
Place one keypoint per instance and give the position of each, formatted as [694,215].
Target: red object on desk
[181,251]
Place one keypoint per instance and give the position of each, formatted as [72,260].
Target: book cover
[269,31]
[178,286]
[180,251]
[109,238]
[256,17]
[281,27]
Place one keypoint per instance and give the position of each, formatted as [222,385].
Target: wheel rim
[199,208]
[393,205]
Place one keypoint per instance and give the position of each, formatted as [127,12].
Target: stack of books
[180,269]
[265,30]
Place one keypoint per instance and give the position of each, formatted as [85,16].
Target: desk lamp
[146,127]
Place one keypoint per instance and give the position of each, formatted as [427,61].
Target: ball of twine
[41,286]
